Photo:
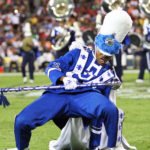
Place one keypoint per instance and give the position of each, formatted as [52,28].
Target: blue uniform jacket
[82,65]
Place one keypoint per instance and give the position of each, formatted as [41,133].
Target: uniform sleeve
[59,67]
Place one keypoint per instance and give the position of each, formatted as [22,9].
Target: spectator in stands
[84,15]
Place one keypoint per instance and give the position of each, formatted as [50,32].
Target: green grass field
[133,98]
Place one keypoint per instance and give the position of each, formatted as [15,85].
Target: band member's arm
[57,69]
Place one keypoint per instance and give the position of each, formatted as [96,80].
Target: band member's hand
[70,83]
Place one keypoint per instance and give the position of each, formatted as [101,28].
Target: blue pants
[119,68]
[28,58]
[143,65]
[89,104]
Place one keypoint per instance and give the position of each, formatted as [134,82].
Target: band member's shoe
[139,81]
[11,149]
[31,81]
[25,80]
[16,148]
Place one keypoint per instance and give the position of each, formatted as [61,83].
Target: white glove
[70,83]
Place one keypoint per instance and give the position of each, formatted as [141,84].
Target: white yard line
[19,74]
[134,92]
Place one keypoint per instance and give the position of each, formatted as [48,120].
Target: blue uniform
[60,30]
[28,57]
[90,103]
[145,54]
[118,57]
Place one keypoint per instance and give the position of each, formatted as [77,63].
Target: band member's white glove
[70,83]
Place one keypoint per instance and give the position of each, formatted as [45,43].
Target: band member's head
[115,27]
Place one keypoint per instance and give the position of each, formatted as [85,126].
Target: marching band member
[28,53]
[145,53]
[61,34]
[75,136]
[80,65]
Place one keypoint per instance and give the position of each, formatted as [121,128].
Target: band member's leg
[97,107]
[143,65]
[31,66]
[36,114]
[25,61]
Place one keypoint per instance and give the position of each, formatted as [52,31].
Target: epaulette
[77,45]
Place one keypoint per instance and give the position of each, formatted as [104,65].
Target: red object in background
[92,12]
[43,35]
[8,2]
[48,45]
[1,69]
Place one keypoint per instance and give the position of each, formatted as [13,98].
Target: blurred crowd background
[15,13]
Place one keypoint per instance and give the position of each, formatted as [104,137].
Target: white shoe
[27,148]
[108,149]
[16,149]
[52,145]
[126,145]
[31,81]
[56,145]
[25,80]
[139,81]
[11,149]
[120,147]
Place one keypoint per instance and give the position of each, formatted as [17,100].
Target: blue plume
[3,100]
[107,43]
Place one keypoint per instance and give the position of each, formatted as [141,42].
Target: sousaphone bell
[109,5]
[144,6]
[60,10]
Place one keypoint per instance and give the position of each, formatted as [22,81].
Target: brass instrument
[62,42]
[109,5]
[60,10]
[136,42]
[144,6]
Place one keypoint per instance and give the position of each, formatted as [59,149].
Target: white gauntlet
[70,83]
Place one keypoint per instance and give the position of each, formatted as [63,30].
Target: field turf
[133,98]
